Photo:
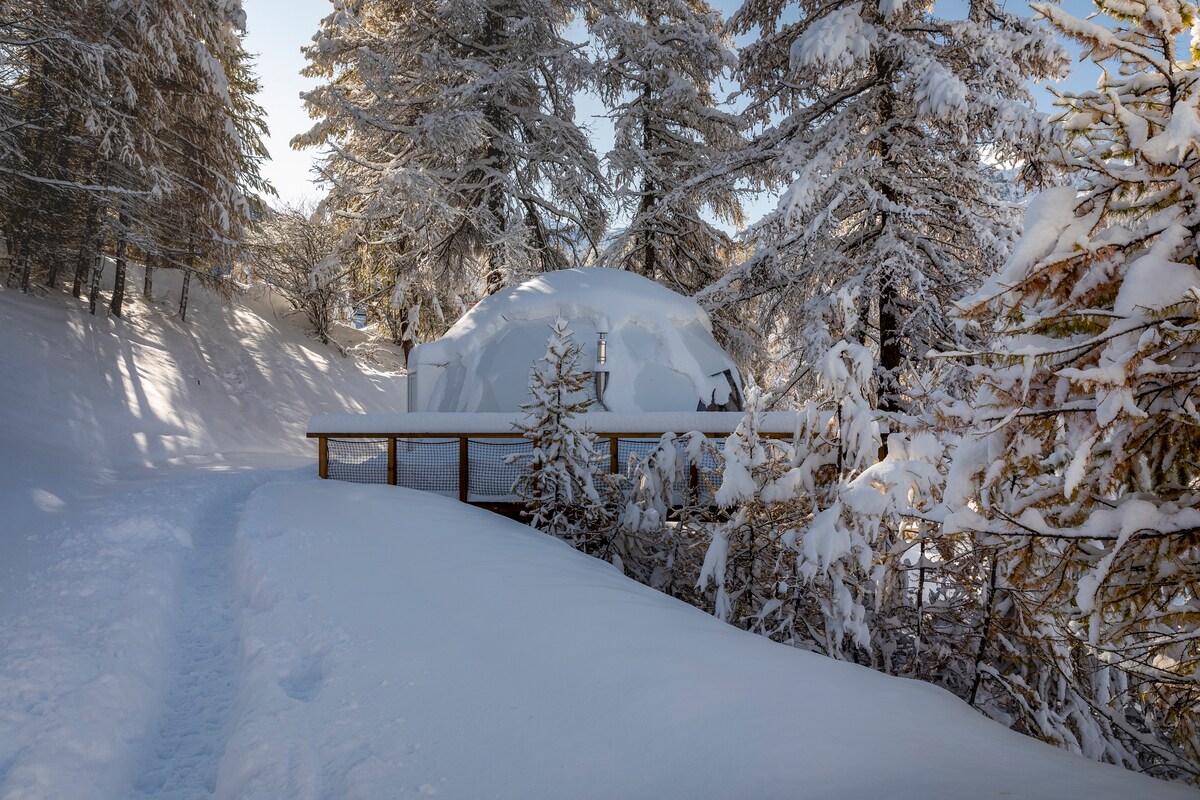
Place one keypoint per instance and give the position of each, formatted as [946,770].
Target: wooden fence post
[613,446]
[464,470]
[391,460]
[323,457]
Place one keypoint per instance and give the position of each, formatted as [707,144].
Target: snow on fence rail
[466,454]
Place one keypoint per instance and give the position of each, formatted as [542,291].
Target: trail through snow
[182,762]
[122,664]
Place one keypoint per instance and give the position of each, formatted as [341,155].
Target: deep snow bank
[397,643]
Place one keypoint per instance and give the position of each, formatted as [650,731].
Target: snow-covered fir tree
[659,61]
[134,129]
[452,142]
[212,136]
[558,481]
[1082,458]
[881,120]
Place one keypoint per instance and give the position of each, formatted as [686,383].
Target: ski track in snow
[182,762]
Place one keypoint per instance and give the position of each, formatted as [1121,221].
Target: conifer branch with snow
[1082,451]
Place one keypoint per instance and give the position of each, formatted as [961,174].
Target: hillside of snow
[187,612]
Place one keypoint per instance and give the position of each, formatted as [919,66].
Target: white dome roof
[661,352]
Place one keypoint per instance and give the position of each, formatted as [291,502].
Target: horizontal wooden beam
[516,436]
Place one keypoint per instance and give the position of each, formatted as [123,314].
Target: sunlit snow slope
[188,613]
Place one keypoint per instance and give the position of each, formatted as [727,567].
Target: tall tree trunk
[649,194]
[80,269]
[405,338]
[187,282]
[890,354]
[97,269]
[148,281]
[52,276]
[497,267]
[116,305]
[183,294]
[26,270]
[14,254]
[81,261]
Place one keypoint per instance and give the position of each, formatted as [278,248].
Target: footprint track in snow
[183,760]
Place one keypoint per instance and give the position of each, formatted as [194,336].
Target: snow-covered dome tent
[661,354]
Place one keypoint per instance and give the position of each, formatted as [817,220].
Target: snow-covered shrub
[747,570]
[660,529]
[822,544]
[293,250]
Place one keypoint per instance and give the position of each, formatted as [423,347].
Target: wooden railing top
[484,425]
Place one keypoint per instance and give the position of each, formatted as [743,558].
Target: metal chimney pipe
[601,372]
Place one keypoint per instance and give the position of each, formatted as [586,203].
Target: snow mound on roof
[661,353]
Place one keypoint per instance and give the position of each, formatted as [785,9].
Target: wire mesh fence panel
[641,448]
[708,476]
[358,460]
[428,465]
[432,465]
[601,448]
[491,475]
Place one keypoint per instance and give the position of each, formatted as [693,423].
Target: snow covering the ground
[91,403]
[189,613]
[661,352]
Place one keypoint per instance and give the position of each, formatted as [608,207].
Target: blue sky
[278,29]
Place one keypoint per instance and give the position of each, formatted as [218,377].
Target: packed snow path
[183,761]
[116,678]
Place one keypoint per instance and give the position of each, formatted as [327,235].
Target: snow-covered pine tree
[213,137]
[558,482]
[658,62]
[863,551]
[881,119]
[452,141]
[107,95]
[64,90]
[1082,463]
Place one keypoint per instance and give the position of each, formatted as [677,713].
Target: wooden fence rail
[464,451]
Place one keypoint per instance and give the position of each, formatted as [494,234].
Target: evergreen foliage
[876,118]
[658,63]
[130,128]
[1081,461]
[558,485]
[454,159]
